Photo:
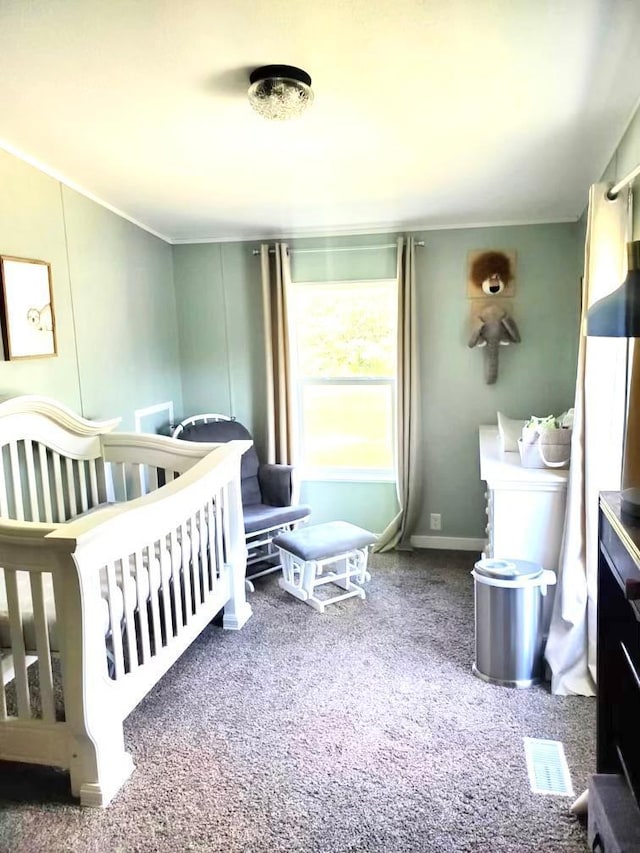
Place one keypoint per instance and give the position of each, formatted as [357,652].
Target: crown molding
[281,234]
[358,231]
[67,182]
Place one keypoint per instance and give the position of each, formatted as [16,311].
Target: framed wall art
[28,323]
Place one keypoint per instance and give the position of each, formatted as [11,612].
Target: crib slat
[152,478]
[4,503]
[114,621]
[195,564]
[93,482]
[186,561]
[128,594]
[153,596]
[109,481]
[82,472]
[165,570]
[3,697]
[45,673]
[219,542]
[119,481]
[15,480]
[142,606]
[31,480]
[71,487]
[225,523]
[211,545]
[137,480]
[204,563]
[177,580]
[17,644]
[44,479]
[57,475]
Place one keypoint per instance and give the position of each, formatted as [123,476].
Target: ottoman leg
[291,580]
[309,572]
[340,568]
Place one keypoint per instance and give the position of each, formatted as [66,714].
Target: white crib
[117,550]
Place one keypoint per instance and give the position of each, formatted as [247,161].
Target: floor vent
[547,767]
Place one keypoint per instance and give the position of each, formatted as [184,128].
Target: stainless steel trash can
[510,621]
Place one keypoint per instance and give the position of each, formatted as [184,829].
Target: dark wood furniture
[614,792]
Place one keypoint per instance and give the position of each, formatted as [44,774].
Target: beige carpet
[359,730]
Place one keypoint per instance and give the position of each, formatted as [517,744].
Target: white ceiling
[427,113]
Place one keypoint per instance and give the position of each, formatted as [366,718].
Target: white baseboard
[449,543]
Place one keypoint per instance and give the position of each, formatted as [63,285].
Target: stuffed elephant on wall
[493,326]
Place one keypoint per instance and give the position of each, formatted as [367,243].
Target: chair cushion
[319,541]
[221,431]
[260,516]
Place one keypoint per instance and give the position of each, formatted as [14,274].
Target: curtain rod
[613,192]
[341,248]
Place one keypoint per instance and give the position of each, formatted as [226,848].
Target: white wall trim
[355,231]
[449,543]
[139,414]
[316,231]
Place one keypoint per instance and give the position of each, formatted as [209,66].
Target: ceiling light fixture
[280,91]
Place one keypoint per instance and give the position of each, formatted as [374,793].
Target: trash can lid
[506,569]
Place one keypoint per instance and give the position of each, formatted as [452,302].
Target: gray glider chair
[269,499]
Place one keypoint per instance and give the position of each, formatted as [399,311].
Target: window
[343,353]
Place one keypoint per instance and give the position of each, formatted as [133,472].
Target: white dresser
[525,506]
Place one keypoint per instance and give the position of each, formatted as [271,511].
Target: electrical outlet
[435,521]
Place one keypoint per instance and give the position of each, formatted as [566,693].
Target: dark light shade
[618,314]
[280,91]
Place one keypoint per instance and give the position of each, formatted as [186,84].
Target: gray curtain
[276,275]
[408,465]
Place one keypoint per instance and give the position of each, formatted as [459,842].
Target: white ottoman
[308,552]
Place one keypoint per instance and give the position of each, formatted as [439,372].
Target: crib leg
[237,610]
[99,766]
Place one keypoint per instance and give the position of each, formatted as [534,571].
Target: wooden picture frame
[27,318]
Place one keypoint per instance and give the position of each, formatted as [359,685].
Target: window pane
[345,330]
[347,426]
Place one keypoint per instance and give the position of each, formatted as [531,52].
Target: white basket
[549,449]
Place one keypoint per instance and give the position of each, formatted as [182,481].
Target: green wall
[221,344]
[125,312]
[219,311]
[113,294]
[536,376]
[32,226]
[140,322]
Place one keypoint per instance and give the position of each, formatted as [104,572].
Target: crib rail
[132,585]
[50,461]
[40,484]
[139,463]
[161,565]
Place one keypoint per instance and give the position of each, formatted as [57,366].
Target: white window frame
[298,383]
